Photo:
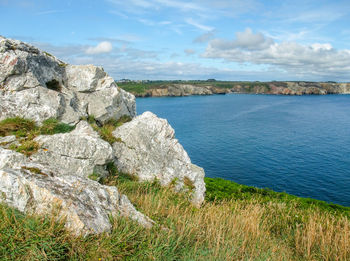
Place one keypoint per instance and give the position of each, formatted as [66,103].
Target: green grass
[26,130]
[53,126]
[247,227]
[221,189]
[16,126]
[106,130]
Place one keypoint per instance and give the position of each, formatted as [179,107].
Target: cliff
[217,87]
[67,134]
[61,138]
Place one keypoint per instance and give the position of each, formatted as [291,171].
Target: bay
[296,144]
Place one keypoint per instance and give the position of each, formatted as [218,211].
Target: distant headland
[212,86]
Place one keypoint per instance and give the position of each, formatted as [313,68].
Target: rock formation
[36,85]
[54,179]
[85,205]
[81,151]
[150,151]
[276,88]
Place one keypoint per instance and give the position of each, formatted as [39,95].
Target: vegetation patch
[26,147]
[240,228]
[189,184]
[26,130]
[53,126]
[16,126]
[221,189]
[94,176]
[106,130]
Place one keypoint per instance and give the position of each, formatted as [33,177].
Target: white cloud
[102,47]
[317,59]
[203,27]
[318,46]
[244,40]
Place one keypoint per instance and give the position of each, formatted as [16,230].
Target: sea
[294,144]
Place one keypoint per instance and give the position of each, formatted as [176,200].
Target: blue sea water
[296,144]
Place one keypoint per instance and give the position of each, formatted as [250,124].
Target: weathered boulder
[149,151]
[36,85]
[81,151]
[83,204]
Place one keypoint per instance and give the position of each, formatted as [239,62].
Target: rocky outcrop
[54,178]
[81,151]
[276,88]
[149,151]
[182,90]
[36,85]
[83,204]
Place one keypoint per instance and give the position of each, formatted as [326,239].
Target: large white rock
[81,152]
[83,204]
[150,151]
[38,86]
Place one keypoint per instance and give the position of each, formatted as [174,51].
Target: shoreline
[199,88]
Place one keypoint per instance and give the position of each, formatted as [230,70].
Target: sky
[248,40]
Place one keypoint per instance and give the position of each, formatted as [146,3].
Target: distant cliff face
[276,88]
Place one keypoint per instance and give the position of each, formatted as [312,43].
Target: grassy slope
[243,224]
[236,222]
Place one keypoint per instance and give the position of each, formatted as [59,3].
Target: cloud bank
[293,58]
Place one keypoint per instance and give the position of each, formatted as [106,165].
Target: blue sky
[178,39]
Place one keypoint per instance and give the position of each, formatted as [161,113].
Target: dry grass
[226,230]
[247,230]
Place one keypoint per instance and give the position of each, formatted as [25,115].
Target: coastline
[176,89]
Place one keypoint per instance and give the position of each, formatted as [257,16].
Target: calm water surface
[300,145]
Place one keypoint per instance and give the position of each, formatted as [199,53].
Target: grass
[53,126]
[26,130]
[234,227]
[26,147]
[106,130]
[221,189]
